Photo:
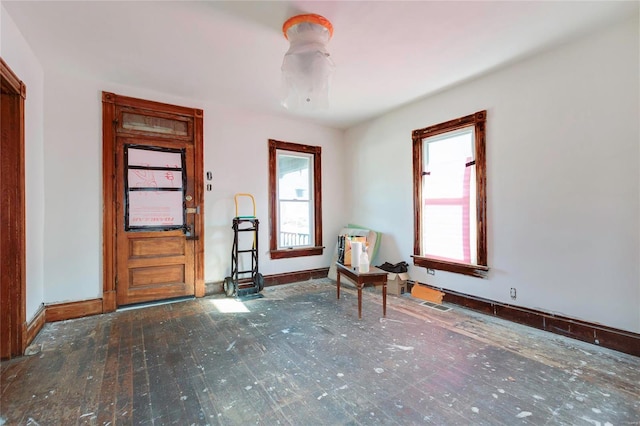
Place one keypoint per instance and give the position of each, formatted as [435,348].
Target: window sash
[473,259]
[296,191]
[448,197]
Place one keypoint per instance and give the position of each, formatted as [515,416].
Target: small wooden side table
[374,276]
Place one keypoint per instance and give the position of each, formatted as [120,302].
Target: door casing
[110,102]
[13,326]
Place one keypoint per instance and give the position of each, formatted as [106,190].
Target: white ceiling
[387,53]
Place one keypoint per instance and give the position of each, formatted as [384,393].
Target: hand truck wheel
[229,286]
[259,281]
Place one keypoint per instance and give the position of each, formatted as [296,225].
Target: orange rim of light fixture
[310,18]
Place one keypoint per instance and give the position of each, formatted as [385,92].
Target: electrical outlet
[431,272]
[513,293]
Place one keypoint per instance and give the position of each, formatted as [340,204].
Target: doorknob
[188,198]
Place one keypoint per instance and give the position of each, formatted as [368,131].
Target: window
[449,178]
[295,200]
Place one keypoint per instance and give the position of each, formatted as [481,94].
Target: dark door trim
[12,214]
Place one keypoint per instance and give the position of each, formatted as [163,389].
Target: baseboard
[276,279]
[292,277]
[83,308]
[597,334]
[34,326]
[70,310]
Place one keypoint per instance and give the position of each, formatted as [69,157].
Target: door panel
[161,246]
[155,257]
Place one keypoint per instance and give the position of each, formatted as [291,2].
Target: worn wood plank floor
[300,357]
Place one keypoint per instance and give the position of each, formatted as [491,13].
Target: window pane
[294,194]
[295,200]
[145,123]
[294,181]
[443,233]
[448,197]
[295,224]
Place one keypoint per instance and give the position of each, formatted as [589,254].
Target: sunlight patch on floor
[228,306]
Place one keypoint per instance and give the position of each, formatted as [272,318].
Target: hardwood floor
[298,356]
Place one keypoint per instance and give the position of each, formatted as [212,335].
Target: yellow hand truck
[247,283]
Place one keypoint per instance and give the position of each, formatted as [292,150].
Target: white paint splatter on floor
[475,409]
[594,422]
[398,347]
[379,370]
[523,414]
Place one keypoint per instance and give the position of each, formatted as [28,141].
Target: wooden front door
[156,201]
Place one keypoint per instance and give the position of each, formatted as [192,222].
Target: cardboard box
[397,283]
[425,293]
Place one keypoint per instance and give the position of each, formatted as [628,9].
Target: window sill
[297,252]
[457,268]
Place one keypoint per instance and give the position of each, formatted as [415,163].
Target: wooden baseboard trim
[70,310]
[292,277]
[34,326]
[597,334]
[276,279]
[109,301]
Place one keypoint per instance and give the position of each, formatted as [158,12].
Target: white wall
[563,183]
[18,55]
[235,152]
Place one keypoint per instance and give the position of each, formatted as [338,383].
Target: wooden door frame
[109,195]
[12,235]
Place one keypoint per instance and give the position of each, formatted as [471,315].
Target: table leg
[384,299]
[360,300]
[338,285]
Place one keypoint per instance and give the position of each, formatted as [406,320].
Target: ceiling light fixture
[307,66]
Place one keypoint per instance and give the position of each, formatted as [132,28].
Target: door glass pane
[154,185]
[155,209]
[153,158]
[145,178]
